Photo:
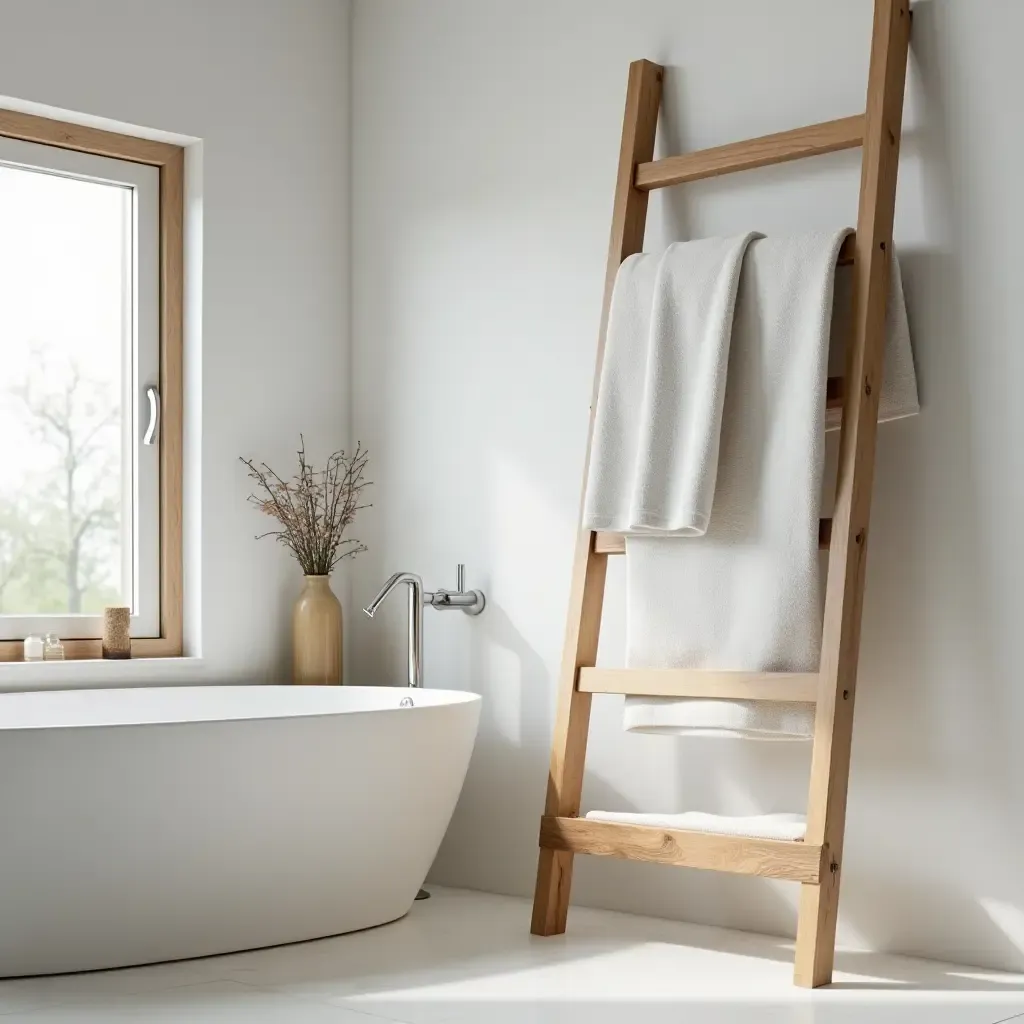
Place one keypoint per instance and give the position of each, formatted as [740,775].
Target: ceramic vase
[316,634]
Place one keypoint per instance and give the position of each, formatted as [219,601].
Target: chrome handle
[153,394]
[470,601]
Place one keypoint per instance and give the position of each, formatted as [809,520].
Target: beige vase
[316,634]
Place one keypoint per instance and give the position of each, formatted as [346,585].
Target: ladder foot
[816,933]
[551,897]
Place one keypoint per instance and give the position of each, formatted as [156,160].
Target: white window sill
[96,672]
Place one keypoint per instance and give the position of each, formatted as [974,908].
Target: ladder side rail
[844,591]
[572,717]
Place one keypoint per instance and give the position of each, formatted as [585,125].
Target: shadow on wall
[923,746]
[929,856]
[509,768]
[509,764]
[904,740]
[935,701]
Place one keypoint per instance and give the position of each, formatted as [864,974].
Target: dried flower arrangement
[314,508]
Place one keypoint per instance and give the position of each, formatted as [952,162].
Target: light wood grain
[844,591]
[172,263]
[615,543]
[171,162]
[675,682]
[812,140]
[610,543]
[769,858]
[583,618]
[88,650]
[74,650]
[64,135]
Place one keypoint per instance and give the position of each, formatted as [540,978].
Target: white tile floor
[464,957]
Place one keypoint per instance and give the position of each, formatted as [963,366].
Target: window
[90,403]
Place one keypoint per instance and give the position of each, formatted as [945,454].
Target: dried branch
[314,508]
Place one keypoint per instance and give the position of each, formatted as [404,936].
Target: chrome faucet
[471,602]
[415,619]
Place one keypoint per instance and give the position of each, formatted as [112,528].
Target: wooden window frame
[170,160]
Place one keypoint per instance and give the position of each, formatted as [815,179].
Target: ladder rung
[742,855]
[813,140]
[673,682]
[615,543]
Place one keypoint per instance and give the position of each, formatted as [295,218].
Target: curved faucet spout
[415,619]
[415,583]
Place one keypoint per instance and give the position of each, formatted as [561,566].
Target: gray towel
[747,595]
[659,404]
[708,422]
[899,381]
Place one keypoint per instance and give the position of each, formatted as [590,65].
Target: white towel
[899,381]
[659,405]
[792,827]
[747,595]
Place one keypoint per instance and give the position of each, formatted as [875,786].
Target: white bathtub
[140,825]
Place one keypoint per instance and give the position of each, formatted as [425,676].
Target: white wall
[264,85]
[484,140]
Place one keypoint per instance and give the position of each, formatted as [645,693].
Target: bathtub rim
[437,700]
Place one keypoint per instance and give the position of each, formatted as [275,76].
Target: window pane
[65,426]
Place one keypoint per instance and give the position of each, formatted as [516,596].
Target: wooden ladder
[815,862]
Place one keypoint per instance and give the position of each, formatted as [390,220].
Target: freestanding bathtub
[140,825]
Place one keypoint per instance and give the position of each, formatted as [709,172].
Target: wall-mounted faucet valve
[471,602]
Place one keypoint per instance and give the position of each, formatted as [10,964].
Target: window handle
[153,394]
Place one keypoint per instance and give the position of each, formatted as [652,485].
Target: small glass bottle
[53,649]
[34,647]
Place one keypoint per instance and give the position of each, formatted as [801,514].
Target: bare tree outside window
[65,460]
[64,556]
[15,549]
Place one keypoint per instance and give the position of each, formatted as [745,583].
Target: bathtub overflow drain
[406,702]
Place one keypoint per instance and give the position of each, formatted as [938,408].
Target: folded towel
[659,405]
[757,826]
[747,595]
[899,381]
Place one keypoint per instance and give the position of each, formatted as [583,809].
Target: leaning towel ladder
[816,862]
